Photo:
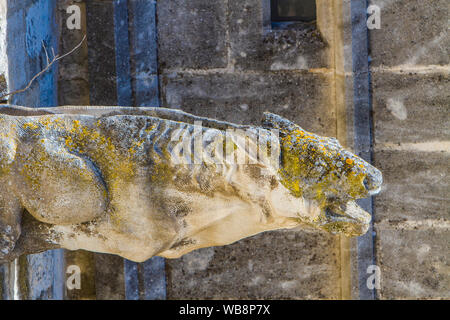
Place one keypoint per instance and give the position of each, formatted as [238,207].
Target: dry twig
[49,65]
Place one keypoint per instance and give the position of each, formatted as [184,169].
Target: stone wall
[411,95]
[31,25]
[3,55]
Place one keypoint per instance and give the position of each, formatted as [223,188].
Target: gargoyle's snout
[373,181]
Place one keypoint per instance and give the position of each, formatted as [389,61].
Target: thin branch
[46,53]
[49,64]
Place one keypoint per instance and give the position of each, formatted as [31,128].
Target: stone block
[414,263]
[109,277]
[275,265]
[86,262]
[415,185]
[144,52]
[3,86]
[102,57]
[411,108]
[413,32]
[192,34]
[73,81]
[243,97]
[41,276]
[254,47]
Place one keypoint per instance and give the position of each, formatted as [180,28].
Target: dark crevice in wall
[157,56]
[363,126]
[372,137]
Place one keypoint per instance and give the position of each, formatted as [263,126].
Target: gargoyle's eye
[366,183]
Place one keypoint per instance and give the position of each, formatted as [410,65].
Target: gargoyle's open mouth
[347,218]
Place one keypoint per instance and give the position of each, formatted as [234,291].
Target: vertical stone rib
[362,133]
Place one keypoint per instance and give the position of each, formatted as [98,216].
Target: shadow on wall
[31,26]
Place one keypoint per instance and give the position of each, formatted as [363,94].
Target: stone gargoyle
[139,182]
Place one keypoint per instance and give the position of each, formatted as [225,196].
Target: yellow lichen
[30,125]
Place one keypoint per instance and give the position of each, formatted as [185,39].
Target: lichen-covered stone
[124,180]
[3,85]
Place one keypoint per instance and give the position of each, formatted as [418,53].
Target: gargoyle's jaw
[348,219]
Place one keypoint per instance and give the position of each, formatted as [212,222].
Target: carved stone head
[320,170]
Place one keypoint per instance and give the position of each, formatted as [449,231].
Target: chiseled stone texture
[243,97]
[204,34]
[3,56]
[102,59]
[410,107]
[414,263]
[73,81]
[3,85]
[86,262]
[412,32]
[256,47]
[30,24]
[191,34]
[260,267]
[109,277]
[411,135]
[180,207]
[415,185]
[412,122]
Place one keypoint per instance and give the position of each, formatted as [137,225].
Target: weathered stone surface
[239,98]
[414,263]
[40,276]
[109,277]
[143,52]
[416,185]
[30,25]
[413,32]
[3,51]
[74,91]
[102,56]
[3,85]
[253,47]
[291,264]
[123,190]
[85,261]
[191,34]
[73,80]
[411,108]
[412,124]
[203,35]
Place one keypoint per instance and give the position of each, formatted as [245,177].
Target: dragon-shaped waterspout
[140,182]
